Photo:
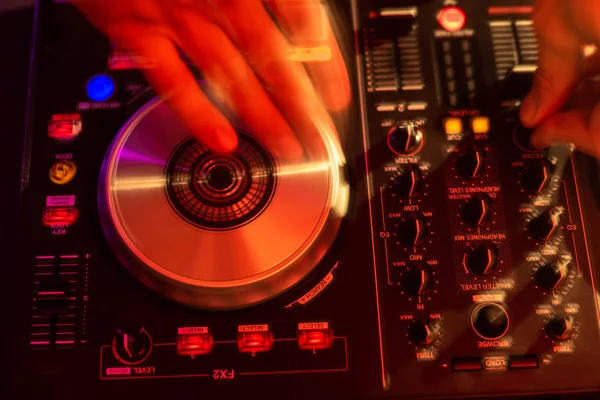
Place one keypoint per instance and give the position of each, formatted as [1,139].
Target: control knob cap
[416,280]
[538,174]
[490,321]
[550,276]
[422,333]
[132,348]
[408,182]
[476,211]
[405,138]
[413,228]
[560,327]
[482,260]
[472,162]
[546,224]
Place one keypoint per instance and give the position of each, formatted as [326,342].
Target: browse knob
[132,348]
[413,229]
[550,276]
[416,280]
[422,333]
[560,327]
[405,138]
[472,162]
[482,260]
[545,225]
[476,212]
[490,321]
[408,182]
[538,174]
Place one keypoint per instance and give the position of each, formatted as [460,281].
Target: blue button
[100,87]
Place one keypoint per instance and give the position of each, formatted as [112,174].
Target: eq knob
[472,162]
[405,138]
[546,224]
[560,327]
[416,280]
[413,228]
[408,182]
[483,259]
[132,348]
[538,174]
[422,333]
[550,276]
[490,321]
[476,211]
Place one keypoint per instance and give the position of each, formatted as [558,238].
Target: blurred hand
[564,103]
[246,60]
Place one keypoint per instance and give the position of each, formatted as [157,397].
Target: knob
[560,327]
[546,224]
[476,211]
[405,138]
[422,333]
[132,348]
[482,260]
[416,280]
[408,182]
[413,228]
[490,321]
[538,174]
[518,81]
[550,276]
[472,163]
[522,138]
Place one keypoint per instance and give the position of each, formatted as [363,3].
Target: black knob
[408,182]
[482,260]
[490,321]
[422,333]
[472,163]
[560,327]
[538,174]
[405,138]
[476,211]
[550,276]
[522,138]
[416,280]
[413,228]
[546,224]
[132,348]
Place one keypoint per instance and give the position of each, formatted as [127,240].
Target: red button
[315,339]
[196,344]
[452,19]
[59,215]
[64,126]
[254,342]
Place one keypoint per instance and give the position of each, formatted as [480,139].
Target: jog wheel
[217,231]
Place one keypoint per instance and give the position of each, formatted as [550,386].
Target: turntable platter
[217,231]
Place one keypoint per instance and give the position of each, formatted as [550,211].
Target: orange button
[480,124]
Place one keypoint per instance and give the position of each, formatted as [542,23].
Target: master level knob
[422,333]
[408,182]
[560,327]
[416,280]
[538,174]
[472,162]
[482,260]
[405,138]
[550,276]
[546,224]
[132,348]
[490,321]
[413,229]
[476,211]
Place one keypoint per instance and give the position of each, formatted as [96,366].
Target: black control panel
[464,267]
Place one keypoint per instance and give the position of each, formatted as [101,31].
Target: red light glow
[192,345]
[315,339]
[452,19]
[59,216]
[254,342]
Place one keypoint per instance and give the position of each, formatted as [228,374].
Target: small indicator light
[452,19]
[100,88]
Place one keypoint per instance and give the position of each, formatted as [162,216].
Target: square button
[480,124]
[453,126]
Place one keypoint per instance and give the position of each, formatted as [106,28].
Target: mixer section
[482,254]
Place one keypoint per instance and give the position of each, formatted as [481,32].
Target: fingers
[306,25]
[559,63]
[234,83]
[173,81]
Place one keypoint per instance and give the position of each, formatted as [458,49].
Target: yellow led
[480,124]
[453,126]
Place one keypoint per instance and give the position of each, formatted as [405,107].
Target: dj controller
[434,253]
